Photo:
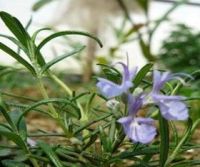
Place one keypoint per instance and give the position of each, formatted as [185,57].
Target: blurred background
[165,32]
[106,19]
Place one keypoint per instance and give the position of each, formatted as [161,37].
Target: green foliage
[40,3]
[90,133]
[180,51]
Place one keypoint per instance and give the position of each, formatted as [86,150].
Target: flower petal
[145,133]
[128,75]
[109,89]
[134,103]
[171,107]
[159,79]
[138,129]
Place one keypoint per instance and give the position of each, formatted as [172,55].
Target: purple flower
[137,129]
[171,107]
[135,103]
[110,89]
[159,79]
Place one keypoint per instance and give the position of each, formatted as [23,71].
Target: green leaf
[5,127]
[50,153]
[22,125]
[180,144]
[12,163]
[81,128]
[26,28]
[46,101]
[111,73]
[16,28]
[141,74]
[164,17]
[15,138]
[164,140]
[187,163]
[34,36]
[60,58]
[16,42]
[146,50]
[89,102]
[105,140]
[63,33]
[41,3]
[3,110]
[140,151]
[112,130]
[144,4]
[4,152]
[17,57]
[4,70]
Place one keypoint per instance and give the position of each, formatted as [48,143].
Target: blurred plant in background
[180,51]
[86,129]
[93,16]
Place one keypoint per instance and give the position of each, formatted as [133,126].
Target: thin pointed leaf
[5,127]
[164,140]
[38,31]
[17,57]
[15,41]
[141,74]
[22,125]
[180,144]
[164,17]
[26,28]
[40,3]
[63,33]
[50,153]
[145,48]
[15,138]
[144,4]
[3,110]
[45,101]
[60,58]
[15,27]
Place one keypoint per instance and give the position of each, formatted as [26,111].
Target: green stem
[69,92]
[45,95]
[180,144]
[34,162]
[164,140]
[51,107]
[61,83]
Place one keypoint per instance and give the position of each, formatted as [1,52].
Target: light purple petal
[171,107]
[126,122]
[138,129]
[128,75]
[144,133]
[158,97]
[109,89]
[134,103]
[159,79]
[148,121]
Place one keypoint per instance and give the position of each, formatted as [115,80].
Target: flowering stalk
[69,92]
[140,129]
